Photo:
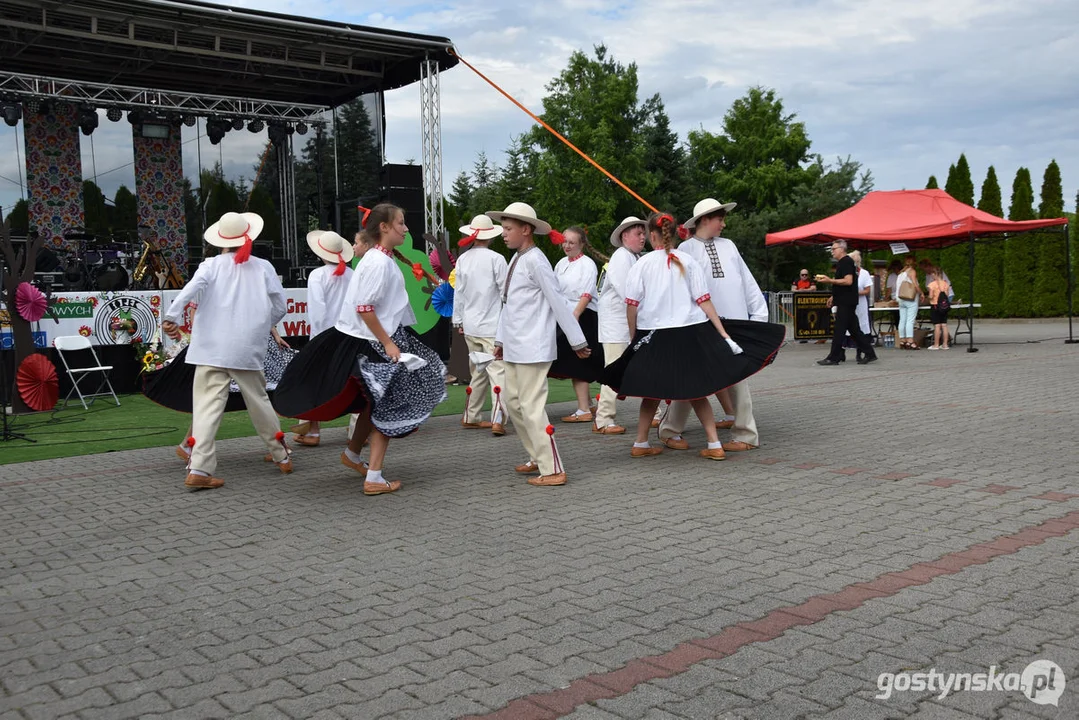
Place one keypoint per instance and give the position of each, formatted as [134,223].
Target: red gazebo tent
[920,219]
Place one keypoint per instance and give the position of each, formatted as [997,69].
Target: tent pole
[970,303]
[1071,283]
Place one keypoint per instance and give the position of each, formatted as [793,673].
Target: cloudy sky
[902,87]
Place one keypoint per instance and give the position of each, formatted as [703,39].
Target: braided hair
[586,247]
[664,224]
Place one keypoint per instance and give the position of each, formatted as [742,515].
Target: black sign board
[812,316]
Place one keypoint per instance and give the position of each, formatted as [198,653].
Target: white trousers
[745,425]
[209,395]
[525,396]
[485,381]
[608,398]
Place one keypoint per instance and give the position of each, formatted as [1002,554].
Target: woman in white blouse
[370,361]
[326,288]
[532,306]
[681,349]
[577,275]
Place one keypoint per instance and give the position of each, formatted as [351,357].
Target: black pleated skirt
[694,361]
[336,374]
[172,386]
[568,365]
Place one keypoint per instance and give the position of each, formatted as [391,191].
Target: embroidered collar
[386,251]
[575,259]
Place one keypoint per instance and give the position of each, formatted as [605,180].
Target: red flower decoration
[85,331]
[468,390]
[550,429]
[557,238]
[683,233]
[190,442]
[61,301]
[417,271]
[498,390]
[92,301]
[155,300]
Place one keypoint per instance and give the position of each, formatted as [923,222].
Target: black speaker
[411,201]
[401,176]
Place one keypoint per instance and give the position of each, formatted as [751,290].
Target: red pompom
[550,429]
[497,390]
[597,397]
[667,401]
[557,238]
[279,436]
[190,442]
[468,390]
[683,233]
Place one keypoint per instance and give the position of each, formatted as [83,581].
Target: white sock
[375,476]
[641,445]
[714,445]
[200,473]
[311,434]
[354,457]
[675,437]
[282,462]
[183,446]
[728,418]
[581,412]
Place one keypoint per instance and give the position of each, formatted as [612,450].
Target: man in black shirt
[845,299]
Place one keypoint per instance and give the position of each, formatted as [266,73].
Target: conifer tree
[1020,252]
[1050,296]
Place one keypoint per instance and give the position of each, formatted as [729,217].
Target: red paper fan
[37,382]
[30,302]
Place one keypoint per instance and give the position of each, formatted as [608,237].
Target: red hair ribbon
[366,212]
[244,253]
[557,238]
[661,218]
[468,240]
[417,271]
[683,233]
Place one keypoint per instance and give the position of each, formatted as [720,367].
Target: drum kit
[108,264]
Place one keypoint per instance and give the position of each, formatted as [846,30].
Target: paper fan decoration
[453,278]
[442,300]
[38,385]
[30,302]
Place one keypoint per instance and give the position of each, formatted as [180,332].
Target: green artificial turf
[139,423]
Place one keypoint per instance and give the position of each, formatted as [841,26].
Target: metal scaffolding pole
[431,117]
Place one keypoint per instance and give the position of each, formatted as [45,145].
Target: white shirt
[239,303]
[865,280]
[377,286]
[666,296]
[613,327]
[577,278]
[477,295]
[325,297]
[533,306]
[735,292]
[890,285]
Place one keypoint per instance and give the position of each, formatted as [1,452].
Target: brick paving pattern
[917,513]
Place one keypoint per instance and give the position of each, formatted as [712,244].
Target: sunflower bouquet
[151,354]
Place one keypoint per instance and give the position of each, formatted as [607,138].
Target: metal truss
[431,117]
[32,87]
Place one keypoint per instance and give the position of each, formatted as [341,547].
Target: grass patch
[138,423]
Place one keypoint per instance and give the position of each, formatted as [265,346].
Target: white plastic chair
[77,343]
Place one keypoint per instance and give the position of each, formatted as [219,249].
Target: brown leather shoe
[587,417]
[676,443]
[377,488]
[182,455]
[609,430]
[268,457]
[360,467]
[724,424]
[484,425]
[738,446]
[300,429]
[202,482]
[644,452]
[548,480]
[285,467]
[528,467]
[307,440]
[713,454]
[498,429]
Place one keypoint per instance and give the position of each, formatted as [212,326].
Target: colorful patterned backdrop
[54,173]
[159,176]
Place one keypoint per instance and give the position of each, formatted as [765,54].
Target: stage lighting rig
[216,129]
[256,126]
[114,114]
[88,119]
[12,112]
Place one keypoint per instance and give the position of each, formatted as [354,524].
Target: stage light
[88,119]
[189,120]
[33,105]
[277,133]
[216,129]
[301,128]
[114,114]
[12,112]
[256,126]
[134,117]
[237,124]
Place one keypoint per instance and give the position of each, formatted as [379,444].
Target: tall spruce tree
[955,260]
[1051,279]
[989,257]
[1020,252]
[459,202]
[932,184]
[664,157]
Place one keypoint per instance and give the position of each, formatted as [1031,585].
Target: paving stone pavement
[919,513]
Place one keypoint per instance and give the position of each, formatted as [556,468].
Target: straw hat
[329,246]
[234,230]
[481,228]
[705,207]
[523,212]
[616,236]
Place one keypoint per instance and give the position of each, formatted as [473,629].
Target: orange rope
[551,130]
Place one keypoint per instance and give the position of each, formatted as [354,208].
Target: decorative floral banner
[54,173]
[159,176]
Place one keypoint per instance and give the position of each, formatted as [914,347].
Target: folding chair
[77,343]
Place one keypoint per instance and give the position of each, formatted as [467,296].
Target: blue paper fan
[442,300]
